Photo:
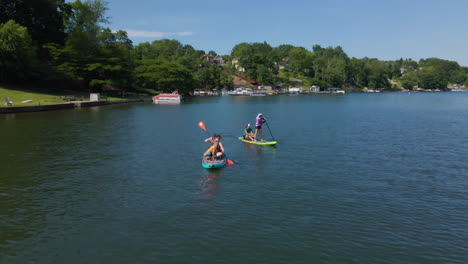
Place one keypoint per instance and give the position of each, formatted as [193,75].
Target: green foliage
[445,71]
[161,54]
[158,49]
[170,50]
[163,75]
[43,18]
[409,80]
[17,55]
[331,65]
[93,54]
[431,78]
[212,77]
[302,61]
[84,26]
[55,40]
[254,57]
[264,75]
[359,72]
[379,74]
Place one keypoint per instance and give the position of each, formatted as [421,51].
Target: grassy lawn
[48,97]
[38,98]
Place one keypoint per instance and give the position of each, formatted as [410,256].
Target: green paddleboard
[259,142]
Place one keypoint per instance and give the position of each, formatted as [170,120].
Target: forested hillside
[68,44]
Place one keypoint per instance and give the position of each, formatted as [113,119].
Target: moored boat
[174,98]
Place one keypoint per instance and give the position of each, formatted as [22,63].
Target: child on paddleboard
[259,121]
[215,150]
[248,133]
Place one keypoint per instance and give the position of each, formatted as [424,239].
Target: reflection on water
[357,178]
[209,185]
[258,155]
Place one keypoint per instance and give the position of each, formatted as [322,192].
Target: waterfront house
[315,88]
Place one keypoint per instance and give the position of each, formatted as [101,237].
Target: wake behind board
[208,163]
[259,142]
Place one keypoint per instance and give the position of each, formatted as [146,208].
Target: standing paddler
[259,121]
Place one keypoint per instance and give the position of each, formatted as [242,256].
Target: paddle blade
[202,125]
[229,162]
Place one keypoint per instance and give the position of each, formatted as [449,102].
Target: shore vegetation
[68,46]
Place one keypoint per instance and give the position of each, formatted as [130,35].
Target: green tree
[43,18]
[409,80]
[170,50]
[17,54]
[301,61]
[282,51]
[432,78]
[163,75]
[264,75]
[378,75]
[359,72]
[84,56]
[84,26]
[166,48]
[115,59]
[458,77]
[212,77]
[252,55]
[331,65]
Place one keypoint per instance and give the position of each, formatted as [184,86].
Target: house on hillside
[315,88]
[218,60]
[207,57]
[235,63]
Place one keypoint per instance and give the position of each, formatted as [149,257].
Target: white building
[235,62]
[295,90]
[315,88]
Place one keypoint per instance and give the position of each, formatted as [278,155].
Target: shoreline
[71,105]
[79,104]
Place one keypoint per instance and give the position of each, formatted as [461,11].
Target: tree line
[66,44]
[332,67]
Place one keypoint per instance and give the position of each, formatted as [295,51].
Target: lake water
[355,178]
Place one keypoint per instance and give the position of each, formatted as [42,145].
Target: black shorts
[258,127]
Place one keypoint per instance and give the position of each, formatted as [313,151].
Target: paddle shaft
[269,130]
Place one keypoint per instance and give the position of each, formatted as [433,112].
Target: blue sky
[386,30]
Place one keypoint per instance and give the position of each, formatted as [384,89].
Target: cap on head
[248,125]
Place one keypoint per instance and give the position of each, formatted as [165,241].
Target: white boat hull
[167,100]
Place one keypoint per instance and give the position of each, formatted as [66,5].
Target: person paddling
[259,121]
[248,133]
[215,150]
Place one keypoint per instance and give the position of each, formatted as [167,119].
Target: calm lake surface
[355,178]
